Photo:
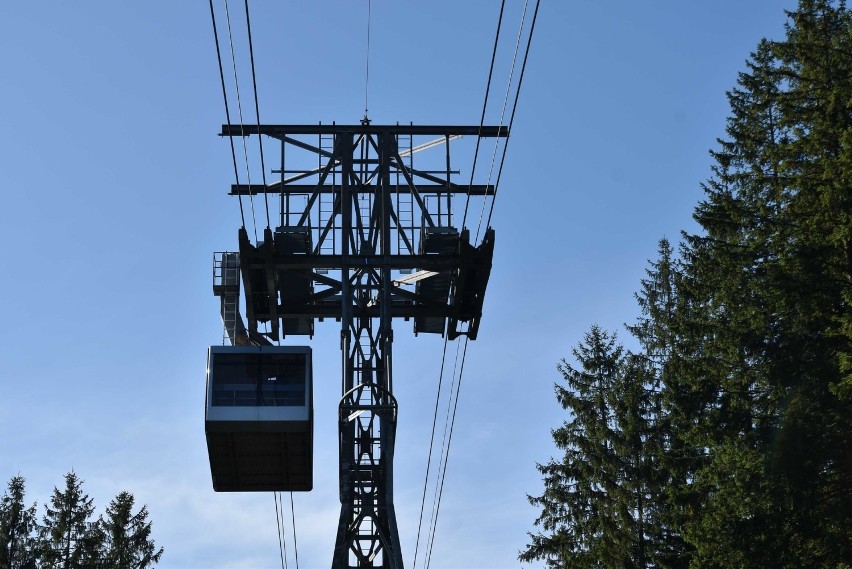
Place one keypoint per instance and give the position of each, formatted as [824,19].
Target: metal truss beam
[360,261]
[275,188]
[277,131]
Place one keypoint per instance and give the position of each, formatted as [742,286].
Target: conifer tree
[769,276]
[633,400]
[667,472]
[593,506]
[746,345]
[69,536]
[18,545]
[815,62]
[128,543]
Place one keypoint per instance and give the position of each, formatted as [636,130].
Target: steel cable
[282,542]
[240,110]
[484,106]
[514,108]
[446,454]
[431,444]
[367,79]
[257,113]
[449,425]
[295,543]
[227,109]
[430,536]
[503,114]
[448,432]
[430,531]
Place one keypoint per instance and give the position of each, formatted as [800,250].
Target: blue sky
[114,198]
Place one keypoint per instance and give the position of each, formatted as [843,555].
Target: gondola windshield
[258,380]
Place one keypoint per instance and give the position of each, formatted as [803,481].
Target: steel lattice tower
[346,248]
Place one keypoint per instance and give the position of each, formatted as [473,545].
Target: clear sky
[114,197]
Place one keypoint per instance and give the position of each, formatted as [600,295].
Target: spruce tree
[18,544]
[667,473]
[765,335]
[128,543]
[594,505]
[741,394]
[815,62]
[69,536]
[633,400]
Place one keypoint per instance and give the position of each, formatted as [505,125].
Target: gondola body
[259,418]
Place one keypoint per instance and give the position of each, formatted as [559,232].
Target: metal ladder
[226,285]
[405,203]
[230,314]
[326,203]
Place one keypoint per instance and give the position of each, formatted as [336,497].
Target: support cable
[293,518]
[503,113]
[227,110]
[514,108]
[367,80]
[431,444]
[282,542]
[446,453]
[449,435]
[430,533]
[432,521]
[484,106]
[257,112]
[447,439]
[240,109]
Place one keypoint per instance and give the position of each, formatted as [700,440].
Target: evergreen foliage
[741,391]
[128,543]
[594,507]
[655,331]
[68,537]
[18,545]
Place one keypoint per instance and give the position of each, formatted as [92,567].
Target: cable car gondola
[259,418]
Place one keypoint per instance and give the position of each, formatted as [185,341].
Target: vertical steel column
[367,534]
[387,512]
[344,149]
